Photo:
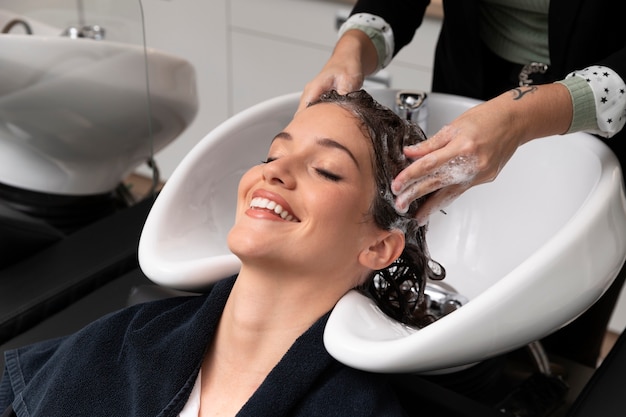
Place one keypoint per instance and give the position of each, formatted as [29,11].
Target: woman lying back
[313,221]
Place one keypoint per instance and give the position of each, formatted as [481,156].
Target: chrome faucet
[442,299]
[411,105]
[90,32]
[83,30]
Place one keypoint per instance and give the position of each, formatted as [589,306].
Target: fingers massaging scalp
[460,170]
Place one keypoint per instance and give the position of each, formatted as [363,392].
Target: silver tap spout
[83,30]
[412,105]
[89,32]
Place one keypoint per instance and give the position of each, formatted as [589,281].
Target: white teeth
[264,203]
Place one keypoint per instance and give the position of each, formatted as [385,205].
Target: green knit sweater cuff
[583,102]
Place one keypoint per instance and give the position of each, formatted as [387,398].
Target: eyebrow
[325,142]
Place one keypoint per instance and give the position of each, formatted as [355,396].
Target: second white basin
[74,113]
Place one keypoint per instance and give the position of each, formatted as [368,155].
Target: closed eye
[328,175]
[320,171]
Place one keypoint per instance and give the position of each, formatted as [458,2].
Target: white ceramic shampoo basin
[531,251]
[74,112]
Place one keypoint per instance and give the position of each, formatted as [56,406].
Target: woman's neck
[274,307]
[264,315]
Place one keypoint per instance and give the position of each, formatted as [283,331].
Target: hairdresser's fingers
[314,89]
[403,201]
[415,190]
[438,141]
[418,178]
[454,155]
[429,156]
[347,82]
[459,170]
[433,171]
[331,79]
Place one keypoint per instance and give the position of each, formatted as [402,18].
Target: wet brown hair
[398,289]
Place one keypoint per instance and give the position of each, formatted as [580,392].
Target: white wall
[197,31]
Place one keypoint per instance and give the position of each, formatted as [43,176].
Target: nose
[280,172]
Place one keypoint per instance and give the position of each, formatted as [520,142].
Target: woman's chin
[246,246]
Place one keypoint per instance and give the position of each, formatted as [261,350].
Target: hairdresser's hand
[353,58]
[474,147]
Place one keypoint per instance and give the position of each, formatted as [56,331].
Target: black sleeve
[404,16]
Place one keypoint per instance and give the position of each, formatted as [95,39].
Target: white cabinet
[278,45]
[265,67]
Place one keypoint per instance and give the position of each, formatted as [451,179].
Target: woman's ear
[384,250]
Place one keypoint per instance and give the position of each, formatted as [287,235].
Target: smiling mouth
[267,204]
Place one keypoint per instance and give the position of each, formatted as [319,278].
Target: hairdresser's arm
[375,32]
[353,58]
[473,148]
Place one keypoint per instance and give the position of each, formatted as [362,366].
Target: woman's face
[308,205]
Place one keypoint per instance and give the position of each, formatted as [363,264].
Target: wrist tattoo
[520,92]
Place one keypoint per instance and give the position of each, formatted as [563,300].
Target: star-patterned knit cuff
[378,31]
[599,100]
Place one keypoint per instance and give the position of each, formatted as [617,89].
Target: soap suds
[459,170]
